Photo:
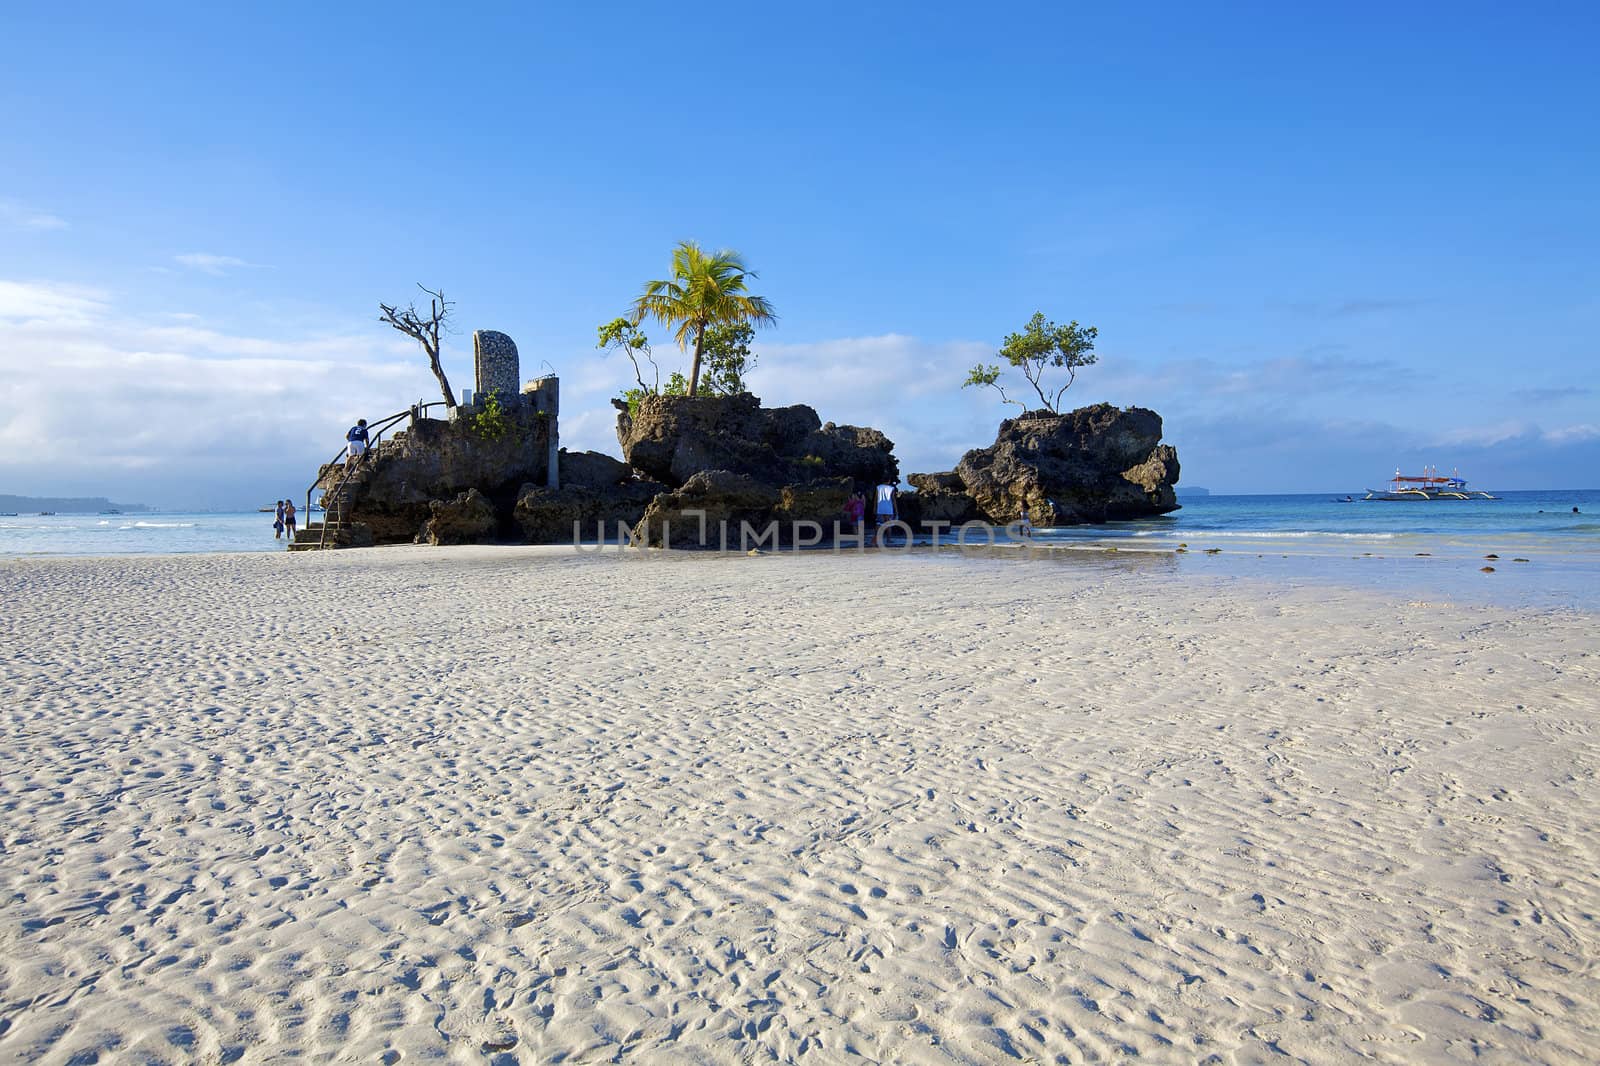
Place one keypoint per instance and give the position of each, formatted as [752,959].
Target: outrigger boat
[1430,485]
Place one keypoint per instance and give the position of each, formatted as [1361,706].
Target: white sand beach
[522,805]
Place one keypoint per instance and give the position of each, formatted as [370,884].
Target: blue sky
[1321,244]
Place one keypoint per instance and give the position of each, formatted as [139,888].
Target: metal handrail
[376,430]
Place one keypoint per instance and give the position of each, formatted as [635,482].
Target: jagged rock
[674,518]
[1095,464]
[672,438]
[860,453]
[939,498]
[953,508]
[592,470]
[821,501]
[548,516]
[692,515]
[466,519]
[438,459]
[948,481]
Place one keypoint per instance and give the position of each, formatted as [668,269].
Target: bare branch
[425,331]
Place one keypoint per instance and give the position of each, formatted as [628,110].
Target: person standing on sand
[1024,523]
[277,524]
[887,495]
[288,518]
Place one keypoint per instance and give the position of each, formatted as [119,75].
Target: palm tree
[704,290]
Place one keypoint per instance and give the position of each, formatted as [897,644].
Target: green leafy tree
[1039,351]
[982,375]
[705,290]
[677,385]
[728,358]
[621,335]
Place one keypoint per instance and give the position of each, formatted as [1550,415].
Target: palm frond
[705,289]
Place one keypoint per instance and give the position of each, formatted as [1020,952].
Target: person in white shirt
[888,496]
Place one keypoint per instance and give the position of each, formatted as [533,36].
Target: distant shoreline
[68,505]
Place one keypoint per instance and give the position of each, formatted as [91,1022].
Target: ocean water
[1325,524]
[144,533]
[1526,549]
[1307,524]
[1518,524]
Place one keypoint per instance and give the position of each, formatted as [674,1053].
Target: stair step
[310,538]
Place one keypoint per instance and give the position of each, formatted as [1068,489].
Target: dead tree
[425,329]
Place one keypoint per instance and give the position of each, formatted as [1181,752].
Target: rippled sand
[522,805]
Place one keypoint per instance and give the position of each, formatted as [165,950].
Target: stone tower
[494,357]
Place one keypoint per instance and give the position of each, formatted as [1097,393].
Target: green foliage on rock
[727,359]
[677,385]
[491,423]
[622,335]
[1042,347]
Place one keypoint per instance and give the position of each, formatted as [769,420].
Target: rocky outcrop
[437,460]
[466,519]
[672,438]
[597,494]
[592,470]
[582,513]
[693,515]
[939,498]
[1095,464]
[447,482]
[734,461]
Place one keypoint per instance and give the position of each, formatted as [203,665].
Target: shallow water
[1434,550]
[1427,550]
[145,533]
[1329,524]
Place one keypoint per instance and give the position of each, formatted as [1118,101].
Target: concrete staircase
[333,531]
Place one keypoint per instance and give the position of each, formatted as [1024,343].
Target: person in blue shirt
[356,442]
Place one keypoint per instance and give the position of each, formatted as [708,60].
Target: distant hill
[1184,490]
[66,504]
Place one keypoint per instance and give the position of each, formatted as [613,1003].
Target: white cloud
[26,301]
[1485,436]
[216,265]
[1580,434]
[910,388]
[907,387]
[1511,430]
[24,217]
[88,390]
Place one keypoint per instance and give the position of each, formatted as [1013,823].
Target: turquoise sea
[142,533]
[1307,524]
[1323,524]
[1526,549]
